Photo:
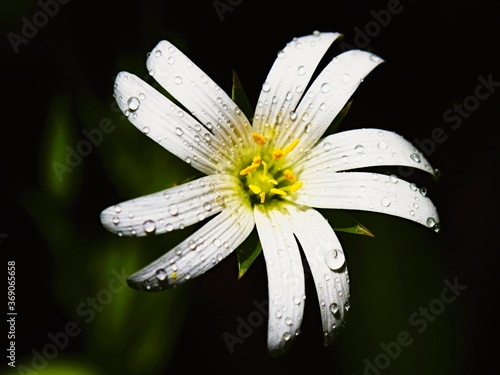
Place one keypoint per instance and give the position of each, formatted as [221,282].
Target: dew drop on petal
[334,259]
[161,274]
[325,87]
[382,145]
[266,87]
[359,149]
[345,78]
[173,210]
[178,80]
[286,336]
[386,202]
[327,146]
[415,157]
[334,308]
[149,226]
[301,70]
[133,103]
[158,53]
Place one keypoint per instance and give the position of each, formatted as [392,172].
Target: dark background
[59,83]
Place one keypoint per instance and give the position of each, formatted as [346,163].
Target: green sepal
[240,97]
[246,255]
[343,222]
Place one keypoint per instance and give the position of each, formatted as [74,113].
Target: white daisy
[267,174]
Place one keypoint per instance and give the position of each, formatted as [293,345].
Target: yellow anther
[273,181]
[249,169]
[259,138]
[291,146]
[255,189]
[278,153]
[173,275]
[289,175]
[277,191]
[296,186]
[262,197]
[257,160]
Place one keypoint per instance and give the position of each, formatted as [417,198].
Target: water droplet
[286,336]
[178,80]
[161,274]
[413,186]
[334,259]
[179,131]
[423,191]
[289,96]
[158,53]
[217,242]
[207,206]
[169,227]
[359,149]
[327,146]
[308,127]
[347,306]
[171,60]
[345,78]
[116,220]
[296,300]
[386,202]
[201,217]
[433,224]
[325,87]
[266,87]
[149,226]
[133,103]
[393,178]
[301,70]
[288,321]
[334,308]
[415,157]
[145,130]
[118,209]
[382,145]
[173,210]
[279,314]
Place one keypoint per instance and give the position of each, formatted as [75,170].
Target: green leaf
[342,221]
[246,255]
[240,97]
[338,119]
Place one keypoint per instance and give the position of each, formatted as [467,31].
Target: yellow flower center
[266,179]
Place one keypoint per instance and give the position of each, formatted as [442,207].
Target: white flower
[267,174]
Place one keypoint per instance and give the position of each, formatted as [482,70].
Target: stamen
[259,138]
[249,169]
[277,191]
[262,197]
[255,189]
[296,186]
[278,153]
[291,146]
[273,181]
[289,175]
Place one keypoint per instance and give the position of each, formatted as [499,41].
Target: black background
[434,52]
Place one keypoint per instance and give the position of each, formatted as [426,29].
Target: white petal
[288,78]
[199,252]
[369,192]
[328,95]
[327,263]
[167,124]
[285,276]
[199,94]
[171,209]
[361,148]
